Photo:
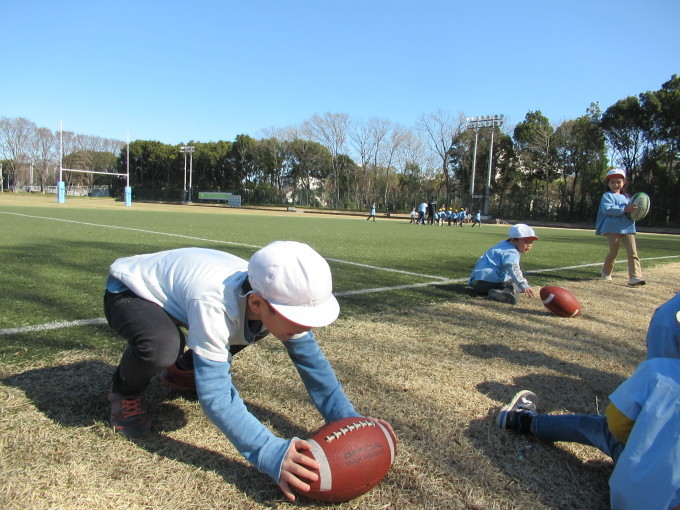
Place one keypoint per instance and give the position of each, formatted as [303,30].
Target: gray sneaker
[635,281]
[128,415]
[504,296]
[509,417]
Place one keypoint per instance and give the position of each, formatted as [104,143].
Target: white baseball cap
[615,172]
[522,231]
[296,281]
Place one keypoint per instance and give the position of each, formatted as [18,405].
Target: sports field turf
[55,256]
[411,346]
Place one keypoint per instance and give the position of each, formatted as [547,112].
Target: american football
[560,301]
[355,455]
[641,200]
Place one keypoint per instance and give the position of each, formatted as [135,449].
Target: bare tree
[331,131]
[361,142]
[389,153]
[440,129]
[44,154]
[368,137]
[15,138]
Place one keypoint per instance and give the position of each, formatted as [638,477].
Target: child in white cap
[613,223]
[226,303]
[497,273]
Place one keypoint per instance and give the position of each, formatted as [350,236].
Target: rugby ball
[641,200]
[560,301]
[355,454]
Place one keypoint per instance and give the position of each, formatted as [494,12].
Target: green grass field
[55,257]
[411,346]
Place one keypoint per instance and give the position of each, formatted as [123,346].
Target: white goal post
[61,185]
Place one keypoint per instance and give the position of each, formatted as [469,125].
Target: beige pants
[634,267]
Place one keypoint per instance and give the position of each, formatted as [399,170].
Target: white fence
[74,191]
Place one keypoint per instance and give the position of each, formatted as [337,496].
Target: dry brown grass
[437,372]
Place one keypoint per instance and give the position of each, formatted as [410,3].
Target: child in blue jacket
[613,223]
[497,273]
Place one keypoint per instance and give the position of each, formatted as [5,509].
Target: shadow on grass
[534,464]
[579,381]
[74,395]
[526,458]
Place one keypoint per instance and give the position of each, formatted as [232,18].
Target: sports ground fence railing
[523,206]
[665,211]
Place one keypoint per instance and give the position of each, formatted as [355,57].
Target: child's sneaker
[128,415]
[604,276]
[635,281]
[510,416]
[179,380]
[504,296]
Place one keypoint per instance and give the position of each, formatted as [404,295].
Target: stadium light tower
[187,149]
[477,123]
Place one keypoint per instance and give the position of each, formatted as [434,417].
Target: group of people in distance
[226,303]
[427,213]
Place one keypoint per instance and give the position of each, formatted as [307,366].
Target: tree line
[538,170]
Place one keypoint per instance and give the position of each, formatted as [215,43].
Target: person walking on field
[613,223]
[461,216]
[422,211]
[371,214]
[431,211]
[478,219]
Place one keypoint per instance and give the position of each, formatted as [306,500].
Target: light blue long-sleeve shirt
[225,408]
[611,218]
[499,264]
[203,289]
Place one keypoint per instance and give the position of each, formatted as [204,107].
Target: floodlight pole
[128,188]
[476,123]
[187,149]
[474,163]
[184,189]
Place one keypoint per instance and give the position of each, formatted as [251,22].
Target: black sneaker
[128,415]
[509,417]
[504,296]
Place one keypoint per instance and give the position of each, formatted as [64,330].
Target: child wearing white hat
[613,223]
[226,303]
[497,273]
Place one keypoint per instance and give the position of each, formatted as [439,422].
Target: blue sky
[208,70]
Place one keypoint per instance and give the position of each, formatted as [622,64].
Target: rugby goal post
[61,185]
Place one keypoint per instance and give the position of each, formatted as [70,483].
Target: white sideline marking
[53,325]
[217,241]
[132,229]
[439,280]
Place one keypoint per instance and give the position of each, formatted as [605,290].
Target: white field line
[52,325]
[131,229]
[464,280]
[218,242]
[438,280]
